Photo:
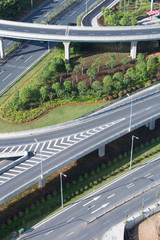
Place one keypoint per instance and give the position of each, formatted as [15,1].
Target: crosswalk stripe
[12,170]
[34,161]
[18,148]
[5,150]
[21,167]
[30,148]
[10,174]
[11,149]
[27,164]
[4,177]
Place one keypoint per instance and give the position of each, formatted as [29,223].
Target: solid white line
[111,196]
[28,58]
[1,72]
[148,108]
[9,42]
[150,176]
[91,207]
[70,234]
[70,219]
[72,13]
[49,232]
[6,77]
[18,58]
[147,174]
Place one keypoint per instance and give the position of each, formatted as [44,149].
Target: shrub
[120,94]
[120,157]
[72,195]
[77,192]
[68,198]
[93,173]
[125,155]
[98,170]
[86,175]
[115,160]
[81,190]
[99,180]
[104,177]
[153,141]
[80,179]
[86,187]
[103,166]
[95,182]
[90,184]
[20,214]
[116,171]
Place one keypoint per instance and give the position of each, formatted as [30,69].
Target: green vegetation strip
[85,185]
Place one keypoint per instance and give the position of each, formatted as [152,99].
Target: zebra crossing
[44,150]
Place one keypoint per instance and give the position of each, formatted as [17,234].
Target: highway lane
[62,146]
[79,221]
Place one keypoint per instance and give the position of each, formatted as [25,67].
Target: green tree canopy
[107,80]
[56,86]
[118,76]
[67,86]
[44,93]
[82,87]
[96,85]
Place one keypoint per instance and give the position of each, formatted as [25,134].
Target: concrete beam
[101,151]
[152,125]
[2,52]
[66,49]
[133,50]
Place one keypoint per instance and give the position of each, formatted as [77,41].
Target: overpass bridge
[68,34]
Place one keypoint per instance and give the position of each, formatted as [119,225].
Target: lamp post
[32,4]
[40,158]
[61,174]
[130,118]
[132,150]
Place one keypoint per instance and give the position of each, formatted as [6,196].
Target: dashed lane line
[49,232]
[69,234]
[70,219]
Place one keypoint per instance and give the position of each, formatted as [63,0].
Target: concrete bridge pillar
[101,151]
[133,50]
[42,182]
[152,125]
[66,49]
[2,53]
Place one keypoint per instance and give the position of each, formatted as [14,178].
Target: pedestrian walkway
[150,20]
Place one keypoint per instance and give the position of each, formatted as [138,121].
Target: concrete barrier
[22,157]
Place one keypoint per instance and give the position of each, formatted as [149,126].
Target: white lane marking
[94,199]
[12,170]
[6,77]
[4,177]
[42,146]
[9,42]
[72,13]
[62,2]
[1,72]
[148,108]
[18,148]
[70,219]
[27,164]
[5,149]
[26,30]
[37,145]
[34,161]
[70,234]
[1,182]
[21,167]
[11,149]
[103,206]
[49,232]
[10,174]
[30,148]
[111,196]
[91,207]
[42,155]
[24,148]
[131,185]
[11,29]
[47,14]
[151,176]
[28,58]
[18,58]
[147,174]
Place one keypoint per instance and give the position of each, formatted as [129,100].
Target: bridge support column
[101,151]
[152,125]
[2,53]
[133,50]
[42,182]
[66,49]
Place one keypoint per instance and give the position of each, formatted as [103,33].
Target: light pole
[130,118]
[32,4]
[86,5]
[40,158]
[61,174]
[132,150]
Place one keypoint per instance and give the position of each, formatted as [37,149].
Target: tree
[82,87]
[124,20]
[118,76]
[109,64]
[96,85]
[112,56]
[77,71]
[68,67]
[67,86]
[118,85]
[57,65]
[44,93]
[107,80]
[141,70]
[124,62]
[134,21]
[83,63]
[91,73]
[131,73]
[151,65]
[97,63]
[141,57]
[56,86]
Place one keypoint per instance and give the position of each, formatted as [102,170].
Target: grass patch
[60,115]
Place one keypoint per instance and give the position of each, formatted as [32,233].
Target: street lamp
[132,150]
[130,118]
[61,174]
[40,158]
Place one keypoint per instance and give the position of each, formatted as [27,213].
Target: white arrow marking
[94,199]
[103,206]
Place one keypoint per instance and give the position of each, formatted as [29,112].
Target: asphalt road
[60,146]
[20,61]
[92,216]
